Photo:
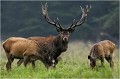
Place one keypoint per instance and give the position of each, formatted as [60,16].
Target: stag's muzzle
[65,39]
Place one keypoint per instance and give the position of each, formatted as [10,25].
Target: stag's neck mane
[59,46]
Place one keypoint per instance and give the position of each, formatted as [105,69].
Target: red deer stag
[58,44]
[104,49]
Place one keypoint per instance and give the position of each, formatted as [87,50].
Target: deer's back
[18,46]
[103,48]
[108,46]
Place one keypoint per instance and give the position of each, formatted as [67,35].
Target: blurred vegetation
[24,19]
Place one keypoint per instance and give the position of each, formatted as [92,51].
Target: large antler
[45,14]
[82,19]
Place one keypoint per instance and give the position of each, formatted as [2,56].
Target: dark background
[24,19]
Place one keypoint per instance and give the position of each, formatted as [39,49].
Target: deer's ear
[89,57]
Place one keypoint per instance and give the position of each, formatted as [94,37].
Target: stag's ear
[89,57]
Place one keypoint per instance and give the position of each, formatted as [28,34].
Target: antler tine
[74,20]
[82,9]
[43,9]
[87,6]
[46,5]
[90,7]
[87,9]
[45,14]
[59,23]
[83,18]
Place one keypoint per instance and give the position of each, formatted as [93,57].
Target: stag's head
[65,32]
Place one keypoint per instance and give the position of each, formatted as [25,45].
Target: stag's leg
[26,60]
[19,62]
[10,60]
[33,64]
[46,65]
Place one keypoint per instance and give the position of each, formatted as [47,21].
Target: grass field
[74,64]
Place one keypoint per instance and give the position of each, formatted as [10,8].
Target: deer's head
[65,32]
[92,61]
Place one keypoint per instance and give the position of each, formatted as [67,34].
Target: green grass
[74,64]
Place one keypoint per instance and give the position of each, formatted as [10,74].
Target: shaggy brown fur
[54,46]
[29,50]
[104,49]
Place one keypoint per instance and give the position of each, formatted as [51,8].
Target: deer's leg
[111,57]
[111,61]
[102,60]
[108,60]
[19,62]
[26,60]
[10,60]
[46,64]
[33,64]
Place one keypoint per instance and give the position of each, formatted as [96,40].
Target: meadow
[74,64]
